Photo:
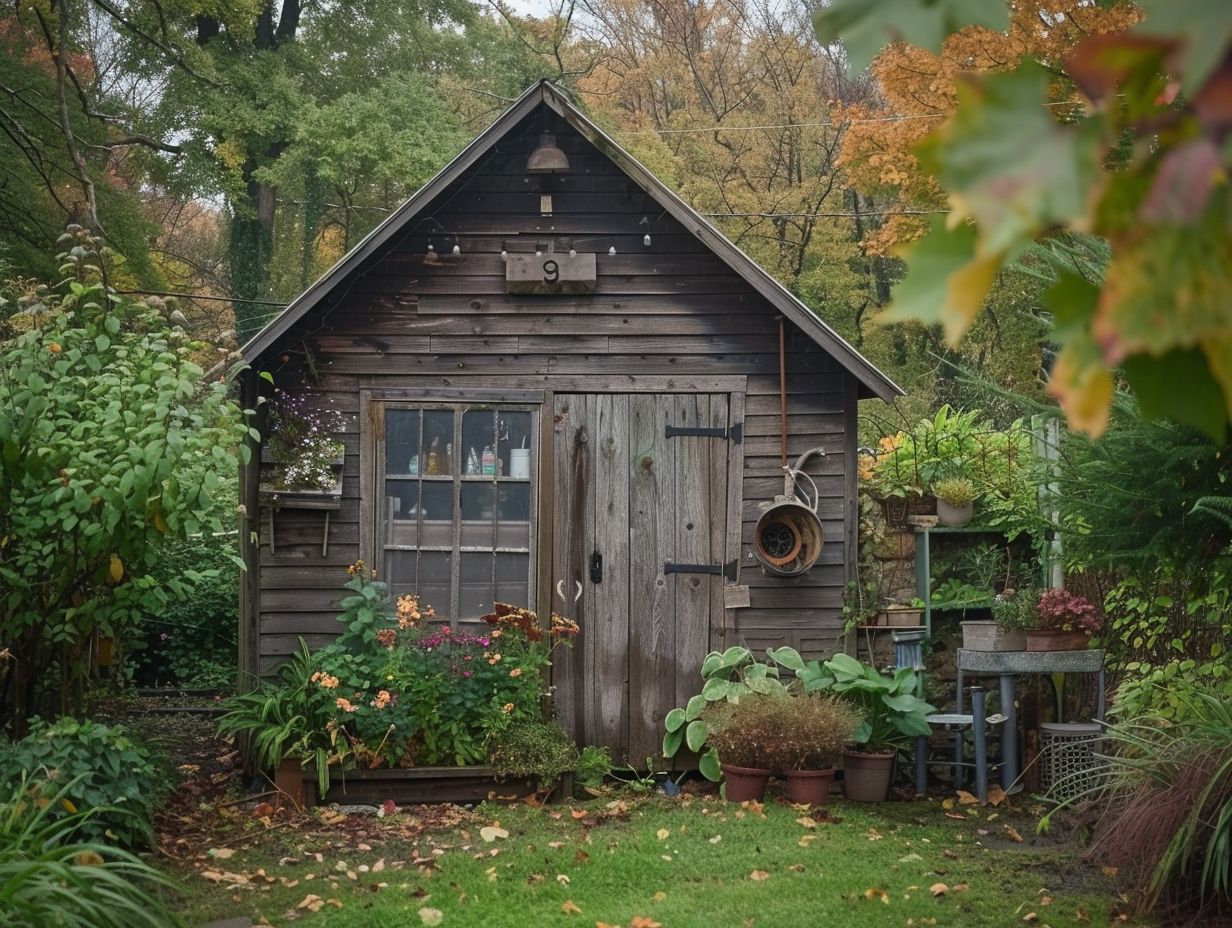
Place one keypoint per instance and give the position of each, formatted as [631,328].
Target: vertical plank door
[628,493]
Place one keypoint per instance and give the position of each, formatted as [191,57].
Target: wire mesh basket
[1069,759]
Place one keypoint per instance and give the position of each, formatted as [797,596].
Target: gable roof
[544,92]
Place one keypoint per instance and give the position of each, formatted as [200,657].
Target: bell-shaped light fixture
[547,158]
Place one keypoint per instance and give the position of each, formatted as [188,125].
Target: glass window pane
[478,514]
[436,505]
[401,512]
[479,442]
[402,441]
[513,511]
[437,442]
[514,444]
[513,579]
[433,583]
[476,588]
[399,572]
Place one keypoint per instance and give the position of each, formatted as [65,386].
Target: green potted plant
[1013,612]
[1065,621]
[892,716]
[955,500]
[747,735]
[814,733]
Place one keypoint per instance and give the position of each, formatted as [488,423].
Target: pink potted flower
[1065,621]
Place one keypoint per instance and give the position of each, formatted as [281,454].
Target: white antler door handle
[578,594]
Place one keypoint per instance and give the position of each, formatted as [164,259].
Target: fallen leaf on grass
[807,821]
[222,853]
[562,879]
[874,892]
[716,839]
[641,921]
[1081,915]
[659,896]
[966,799]
[1013,835]
[806,840]
[569,907]
[961,887]
[996,796]
[759,875]
[578,813]
[312,903]
[1109,872]
[874,835]
[1030,917]
[948,854]
[431,917]
[938,889]
[796,868]
[663,834]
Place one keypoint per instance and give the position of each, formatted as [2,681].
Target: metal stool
[957,723]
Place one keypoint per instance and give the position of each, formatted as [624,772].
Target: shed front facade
[560,390]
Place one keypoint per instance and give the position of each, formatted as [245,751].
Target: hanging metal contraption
[788,537]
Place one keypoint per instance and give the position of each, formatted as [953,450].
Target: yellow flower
[507,708]
[494,659]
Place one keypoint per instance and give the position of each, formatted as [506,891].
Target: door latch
[596,568]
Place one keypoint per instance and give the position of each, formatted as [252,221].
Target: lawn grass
[696,861]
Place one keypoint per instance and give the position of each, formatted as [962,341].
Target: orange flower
[496,633]
[382,700]
[328,682]
[492,658]
[345,704]
[54,348]
[516,672]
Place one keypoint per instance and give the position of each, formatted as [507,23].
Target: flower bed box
[900,617]
[415,785]
[985,636]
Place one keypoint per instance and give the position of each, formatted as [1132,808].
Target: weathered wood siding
[670,317]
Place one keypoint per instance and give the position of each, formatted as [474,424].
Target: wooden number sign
[550,273]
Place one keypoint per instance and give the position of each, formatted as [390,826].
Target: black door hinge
[727,570]
[734,434]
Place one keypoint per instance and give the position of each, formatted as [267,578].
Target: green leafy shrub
[1014,610]
[891,712]
[191,641]
[594,766]
[534,749]
[111,441]
[50,876]
[98,769]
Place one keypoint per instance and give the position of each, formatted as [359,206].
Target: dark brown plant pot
[809,787]
[866,777]
[291,784]
[742,784]
[1046,639]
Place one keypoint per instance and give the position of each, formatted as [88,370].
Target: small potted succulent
[1064,621]
[1013,612]
[748,738]
[813,737]
[955,500]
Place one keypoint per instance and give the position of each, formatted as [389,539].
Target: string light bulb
[612,250]
[646,240]
[572,252]
[504,254]
[457,249]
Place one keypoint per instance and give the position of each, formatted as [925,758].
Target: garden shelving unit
[923,564]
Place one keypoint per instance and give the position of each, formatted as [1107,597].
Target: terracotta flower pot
[290,783]
[744,783]
[1047,639]
[809,787]
[866,777]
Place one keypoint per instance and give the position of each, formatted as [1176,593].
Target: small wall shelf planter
[327,500]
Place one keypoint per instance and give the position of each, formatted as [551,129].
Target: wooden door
[642,543]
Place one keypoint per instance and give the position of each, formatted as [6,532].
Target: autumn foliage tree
[1136,153]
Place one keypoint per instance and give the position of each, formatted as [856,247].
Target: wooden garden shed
[562,388]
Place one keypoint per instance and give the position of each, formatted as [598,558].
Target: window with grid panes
[455,514]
